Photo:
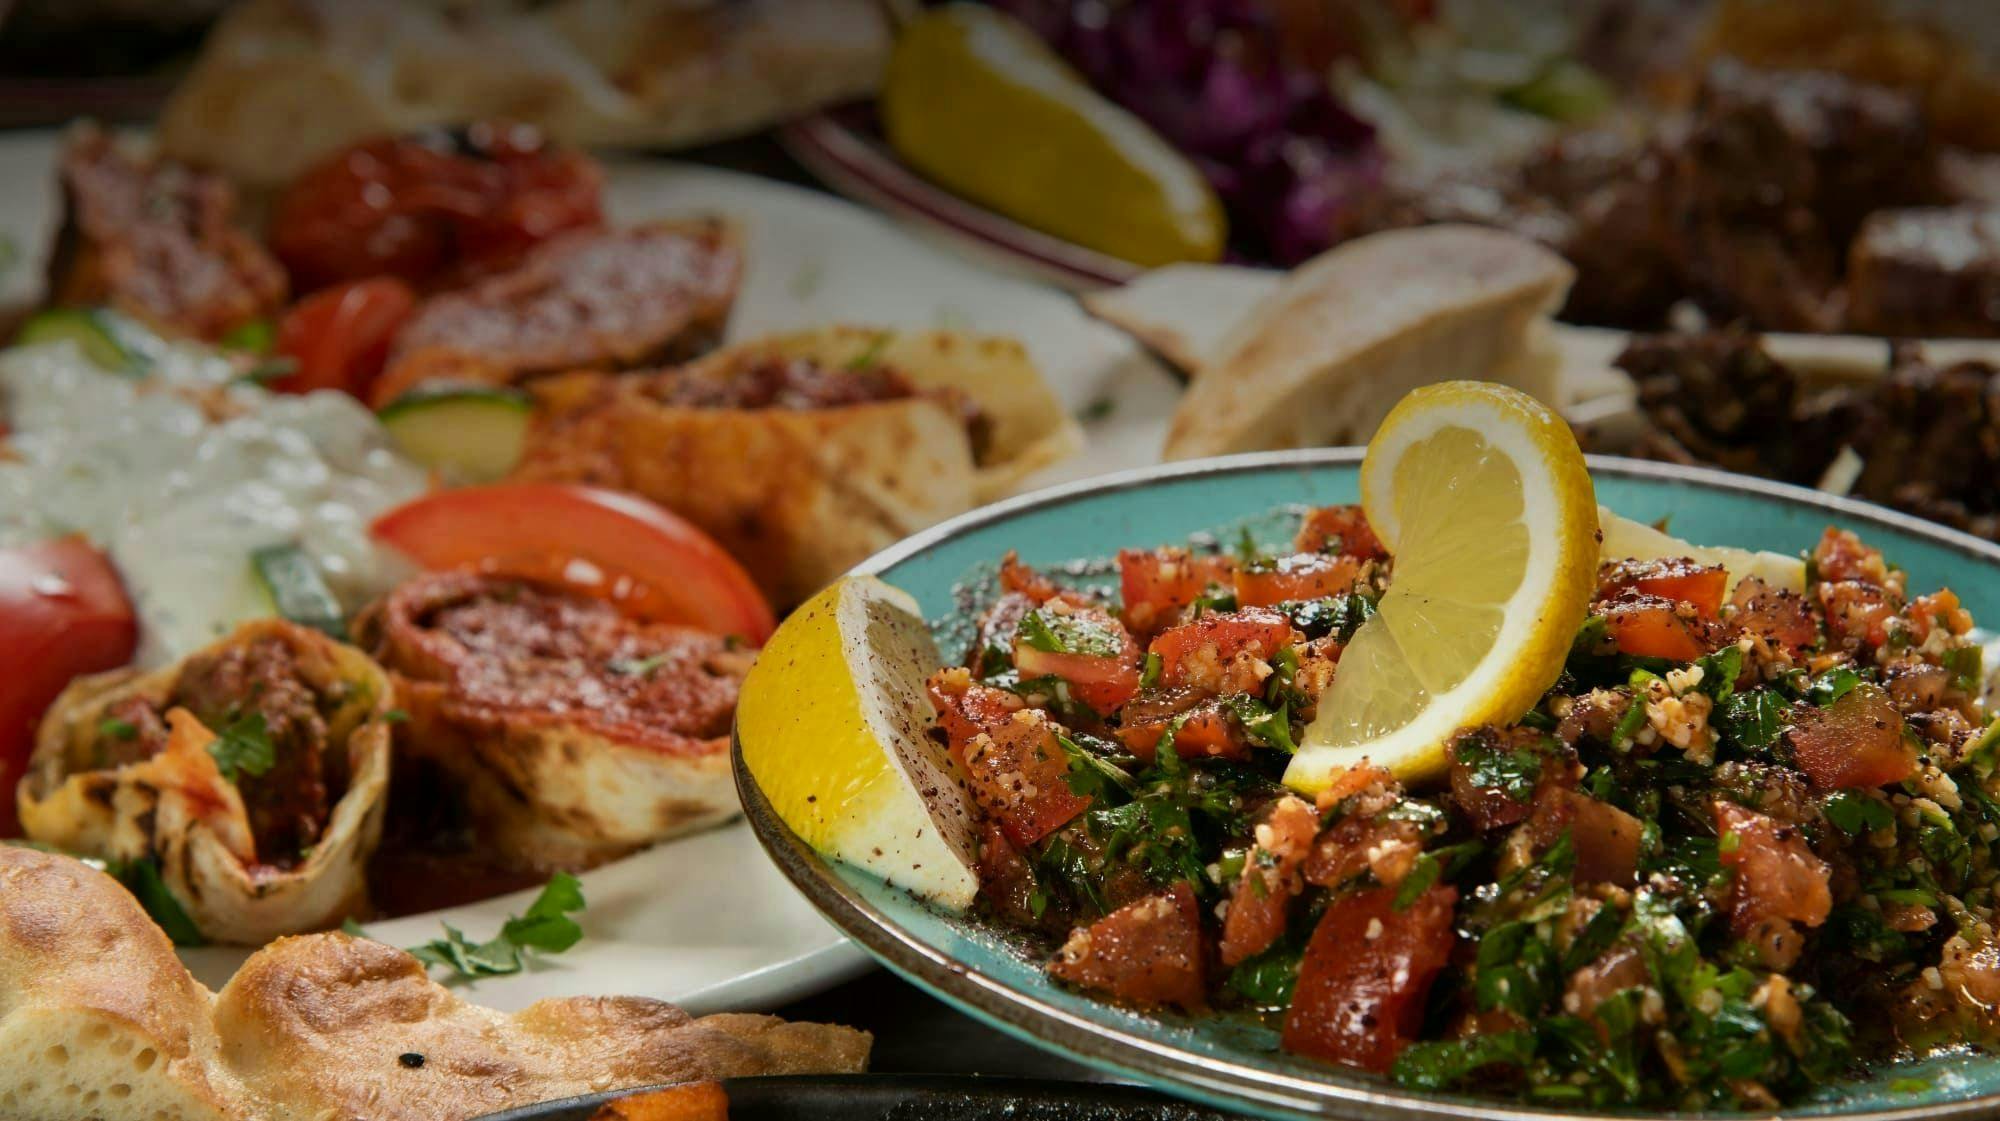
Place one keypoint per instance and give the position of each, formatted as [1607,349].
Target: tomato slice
[1343,530]
[1156,584]
[1149,952]
[1213,640]
[1651,627]
[1302,576]
[1367,970]
[63,613]
[653,563]
[1702,585]
[1103,669]
[340,336]
[1854,743]
[1009,756]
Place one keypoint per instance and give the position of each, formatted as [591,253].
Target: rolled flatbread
[255,772]
[804,453]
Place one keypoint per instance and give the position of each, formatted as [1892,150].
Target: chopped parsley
[244,748]
[546,928]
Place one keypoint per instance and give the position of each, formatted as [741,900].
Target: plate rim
[1221,1082]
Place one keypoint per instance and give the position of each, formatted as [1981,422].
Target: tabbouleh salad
[1743,846]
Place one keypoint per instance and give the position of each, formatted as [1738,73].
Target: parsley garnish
[1832,685]
[113,728]
[244,748]
[142,878]
[545,928]
[636,667]
[1053,633]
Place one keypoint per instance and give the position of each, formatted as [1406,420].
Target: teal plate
[1234,1062]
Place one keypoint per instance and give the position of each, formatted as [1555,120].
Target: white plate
[705,921]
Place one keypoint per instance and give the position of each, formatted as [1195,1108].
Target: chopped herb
[1267,725]
[142,878]
[257,336]
[113,728]
[1098,408]
[395,716]
[1267,980]
[546,928]
[871,355]
[1490,767]
[1444,1064]
[268,370]
[1909,1085]
[1967,665]
[637,667]
[1719,672]
[1149,675]
[1336,616]
[244,748]
[1832,685]
[1754,718]
[1062,633]
[1853,812]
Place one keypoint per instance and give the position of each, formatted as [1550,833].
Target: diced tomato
[1198,653]
[1367,971]
[1340,529]
[1857,613]
[1939,609]
[1148,952]
[1604,837]
[1349,781]
[1384,847]
[339,337]
[1017,771]
[1297,577]
[1104,681]
[966,708]
[1155,585]
[1006,879]
[653,563]
[1702,585]
[1207,731]
[1652,627]
[1855,742]
[1773,614]
[63,613]
[1018,579]
[1777,876]
[1485,804]
[1263,894]
[1840,555]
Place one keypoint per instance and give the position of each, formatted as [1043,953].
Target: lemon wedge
[1481,494]
[832,722]
[1625,539]
[974,101]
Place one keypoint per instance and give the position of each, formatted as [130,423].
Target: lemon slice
[1481,494]
[831,722]
[1626,539]
[979,104]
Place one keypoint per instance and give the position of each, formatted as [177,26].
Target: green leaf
[1266,725]
[871,355]
[1968,668]
[113,728]
[257,336]
[1061,633]
[1490,767]
[1335,616]
[1754,719]
[1832,685]
[142,878]
[1267,980]
[244,748]
[637,667]
[1444,1064]
[546,928]
[1719,672]
[1149,675]
[1090,776]
[1853,812]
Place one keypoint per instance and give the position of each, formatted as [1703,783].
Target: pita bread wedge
[1185,313]
[126,769]
[1323,359]
[281,84]
[804,453]
[101,1020]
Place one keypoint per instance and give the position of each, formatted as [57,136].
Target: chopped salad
[1741,847]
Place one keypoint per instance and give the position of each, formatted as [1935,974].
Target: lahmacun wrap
[572,732]
[255,772]
[803,453]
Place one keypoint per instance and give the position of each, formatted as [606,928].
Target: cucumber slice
[95,331]
[466,433]
[297,590]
